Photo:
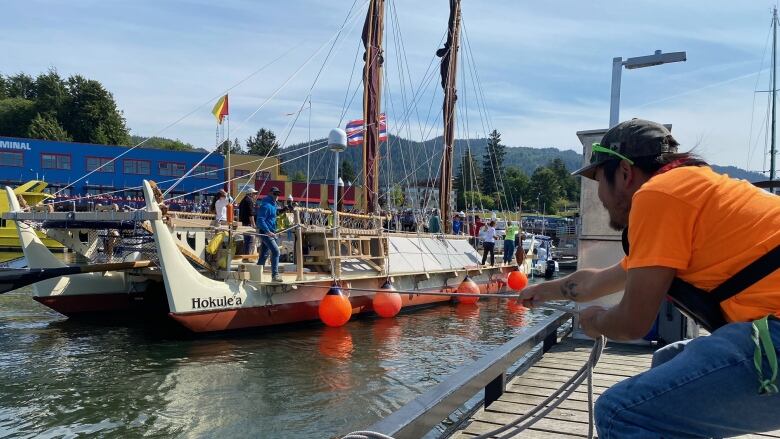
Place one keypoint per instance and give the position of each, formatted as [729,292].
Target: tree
[46,127]
[263,143]
[545,189]
[397,196]
[299,177]
[466,180]
[476,200]
[493,164]
[233,146]
[16,114]
[51,95]
[347,171]
[91,115]
[568,183]
[20,86]
[518,187]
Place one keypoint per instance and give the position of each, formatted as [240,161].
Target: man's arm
[580,286]
[633,317]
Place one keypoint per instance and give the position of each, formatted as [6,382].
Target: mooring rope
[541,410]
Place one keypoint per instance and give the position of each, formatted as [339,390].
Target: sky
[538,72]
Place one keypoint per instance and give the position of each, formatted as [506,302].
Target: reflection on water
[65,378]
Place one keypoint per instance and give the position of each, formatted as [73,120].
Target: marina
[364,256]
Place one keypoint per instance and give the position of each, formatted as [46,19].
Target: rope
[540,410]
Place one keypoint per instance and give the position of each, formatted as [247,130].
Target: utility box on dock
[599,246]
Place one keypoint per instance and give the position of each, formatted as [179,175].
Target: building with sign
[75,169]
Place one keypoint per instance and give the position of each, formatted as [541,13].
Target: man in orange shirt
[713,245]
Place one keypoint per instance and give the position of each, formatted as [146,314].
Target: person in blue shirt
[266,225]
[457,223]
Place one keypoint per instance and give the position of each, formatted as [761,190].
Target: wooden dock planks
[570,419]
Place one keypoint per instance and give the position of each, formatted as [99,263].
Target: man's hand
[271,234]
[537,294]
[588,317]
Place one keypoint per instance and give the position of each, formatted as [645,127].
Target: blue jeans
[269,245]
[250,244]
[705,387]
[509,250]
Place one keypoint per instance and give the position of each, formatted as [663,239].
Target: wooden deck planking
[570,419]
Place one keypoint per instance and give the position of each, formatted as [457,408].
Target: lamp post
[337,142]
[638,62]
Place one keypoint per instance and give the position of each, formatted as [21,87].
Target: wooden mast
[449,68]
[373,30]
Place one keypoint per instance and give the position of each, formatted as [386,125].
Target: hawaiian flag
[354,130]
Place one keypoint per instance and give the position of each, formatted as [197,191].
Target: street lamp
[638,62]
[337,142]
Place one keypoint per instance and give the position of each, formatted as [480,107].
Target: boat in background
[33,194]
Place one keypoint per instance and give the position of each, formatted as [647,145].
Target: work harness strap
[704,308]
[763,340]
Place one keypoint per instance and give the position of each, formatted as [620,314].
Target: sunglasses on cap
[596,147]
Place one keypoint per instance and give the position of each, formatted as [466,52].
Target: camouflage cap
[629,140]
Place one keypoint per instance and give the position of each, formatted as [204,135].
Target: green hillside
[424,157]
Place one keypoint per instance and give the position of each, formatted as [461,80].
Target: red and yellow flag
[220,109]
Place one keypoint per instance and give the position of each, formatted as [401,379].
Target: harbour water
[61,378]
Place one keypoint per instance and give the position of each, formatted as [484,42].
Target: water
[62,378]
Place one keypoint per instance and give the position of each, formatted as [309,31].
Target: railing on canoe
[418,417]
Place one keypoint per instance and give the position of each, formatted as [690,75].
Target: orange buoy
[515,305]
[517,280]
[335,309]
[468,286]
[386,302]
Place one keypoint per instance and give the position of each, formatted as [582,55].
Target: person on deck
[488,236]
[246,214]
[509,241]
[687,231]
[457,223]
[220,208]
[266,226]
[434,223]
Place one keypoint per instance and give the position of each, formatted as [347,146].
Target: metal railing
[421,415]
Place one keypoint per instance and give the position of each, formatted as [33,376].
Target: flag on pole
[220,109]
[355,130]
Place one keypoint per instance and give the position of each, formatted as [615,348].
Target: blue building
[61,164]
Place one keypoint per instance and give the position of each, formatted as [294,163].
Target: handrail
[419,416]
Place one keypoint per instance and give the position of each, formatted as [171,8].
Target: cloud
[544,68]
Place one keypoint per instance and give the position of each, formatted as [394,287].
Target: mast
[372,92]
[772,150]
[449,67]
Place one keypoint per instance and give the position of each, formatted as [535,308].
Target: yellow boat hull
[32,191]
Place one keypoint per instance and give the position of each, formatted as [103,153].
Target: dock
[546,369]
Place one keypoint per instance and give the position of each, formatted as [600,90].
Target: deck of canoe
[570,419]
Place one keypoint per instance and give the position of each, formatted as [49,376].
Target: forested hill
[424,157]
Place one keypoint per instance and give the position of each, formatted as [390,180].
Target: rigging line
[189,171]
[349,84]
[405,124]
[479,90]
[755,87]
[493,167]
[195,175]
[308,60]
[308,96]
[476,72]
[157,133]
[240,177]
[406,59]
[696,90]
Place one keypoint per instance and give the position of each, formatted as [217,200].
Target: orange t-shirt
[708,227]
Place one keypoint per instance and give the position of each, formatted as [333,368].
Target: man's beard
[614,225]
